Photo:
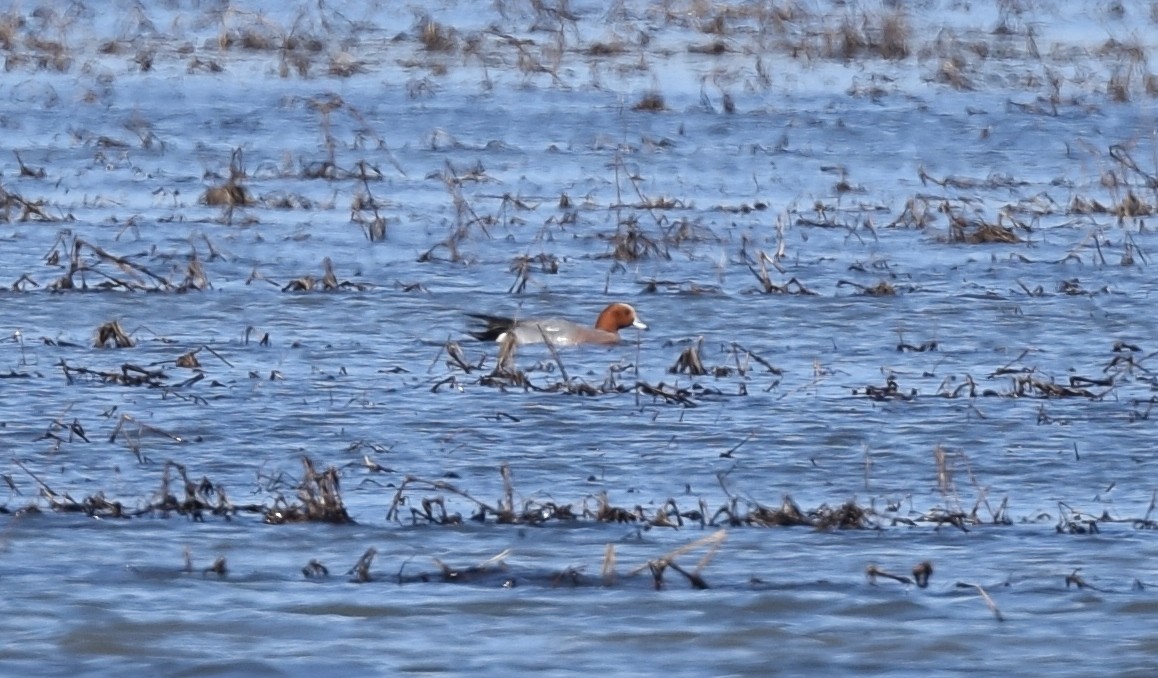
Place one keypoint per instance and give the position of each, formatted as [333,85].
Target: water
[841,172]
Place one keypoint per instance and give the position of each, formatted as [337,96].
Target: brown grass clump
[364,212]
[918,213]
[250,38]
[951,72]
[717,24]
[524,265]
[248,31]
[630,243]
[894,36]
[255,41]
[49,54]
[305,43]
[1118,87]
[847,516]
[605,49]
[435,37]
[112,332]
[882,289]
[199,498]
[712,48]
[1132,206]
[319,496]
[1132,51]
[328,282]
[964,231]
[195,276]
[848,41]
[188,360]
[788,514]
[300,62]
[885,36]
[343,65]
[651,102]
[232,193]
[690,361]
[10,25]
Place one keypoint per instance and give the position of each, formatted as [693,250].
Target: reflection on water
[918,283]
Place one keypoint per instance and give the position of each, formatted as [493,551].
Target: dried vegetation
[646,227]
[423,502]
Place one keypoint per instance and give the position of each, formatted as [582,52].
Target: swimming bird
[558,331]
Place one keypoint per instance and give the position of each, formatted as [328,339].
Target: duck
[559,331]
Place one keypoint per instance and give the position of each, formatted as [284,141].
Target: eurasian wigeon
[558,331]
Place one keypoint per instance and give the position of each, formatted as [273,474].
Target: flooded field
[892,411]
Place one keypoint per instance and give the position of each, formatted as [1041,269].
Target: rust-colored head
[618,316]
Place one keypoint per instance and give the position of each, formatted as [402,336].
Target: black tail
[494,326]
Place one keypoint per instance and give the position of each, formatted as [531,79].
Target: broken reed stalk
[140,428]
[393,513]
[493,565]
[232,193]
[554,354]
[793,286]
[112,331]
[758,358]
[45,490]
[989,602]
[945,483]
[921,573]
[690,361]
[195,276]
[657,565]
[218,568]
[220,357]
[315,570]
[669,394]
[329,281]
[121,262]
[505,362]
[607,572]
[373,227]
[456,358]
[507,506]
[361,569]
